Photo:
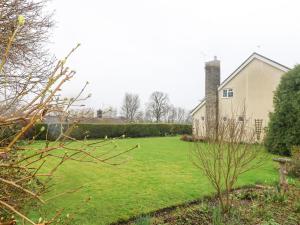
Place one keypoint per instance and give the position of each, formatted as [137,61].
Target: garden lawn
[157,175]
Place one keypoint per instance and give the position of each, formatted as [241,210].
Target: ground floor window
[241,119]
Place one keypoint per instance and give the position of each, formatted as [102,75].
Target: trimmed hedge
[94,131]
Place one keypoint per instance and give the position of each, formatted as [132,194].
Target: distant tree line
[158,109]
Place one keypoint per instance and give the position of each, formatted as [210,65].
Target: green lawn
[158,174]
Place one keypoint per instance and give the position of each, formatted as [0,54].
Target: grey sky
[142,46]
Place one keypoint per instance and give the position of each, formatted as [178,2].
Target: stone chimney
[212,82]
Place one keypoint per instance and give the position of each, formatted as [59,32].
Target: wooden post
[283,172]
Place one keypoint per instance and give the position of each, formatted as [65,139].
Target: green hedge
[284,127]
[93,131]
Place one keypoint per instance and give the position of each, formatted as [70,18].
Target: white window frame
[227,91]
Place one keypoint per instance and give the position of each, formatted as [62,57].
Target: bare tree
[130,107]
[188,118]
[171,114]
[24,178]
[175,114]
[109,112]
[82,113]
[148,117]
[158,105]
[28,54]
[225,157]
[181,115]
[140,116]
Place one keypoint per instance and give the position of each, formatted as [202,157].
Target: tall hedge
[284,126]
[93,131]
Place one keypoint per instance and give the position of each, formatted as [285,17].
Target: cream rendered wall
[264,81]
[253,89]
[198,122]
[234,105]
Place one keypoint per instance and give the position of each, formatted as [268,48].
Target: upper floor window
[227,93]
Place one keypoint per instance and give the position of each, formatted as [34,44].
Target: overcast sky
[141,46]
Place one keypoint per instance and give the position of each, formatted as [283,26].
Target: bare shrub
[192,138]
[188,138]
[228,153]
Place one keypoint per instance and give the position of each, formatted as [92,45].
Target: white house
[246,94]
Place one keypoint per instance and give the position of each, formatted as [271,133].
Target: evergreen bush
[284,127]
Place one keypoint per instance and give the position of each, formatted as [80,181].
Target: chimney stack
[212,82]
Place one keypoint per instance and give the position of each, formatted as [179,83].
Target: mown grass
[159,174]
